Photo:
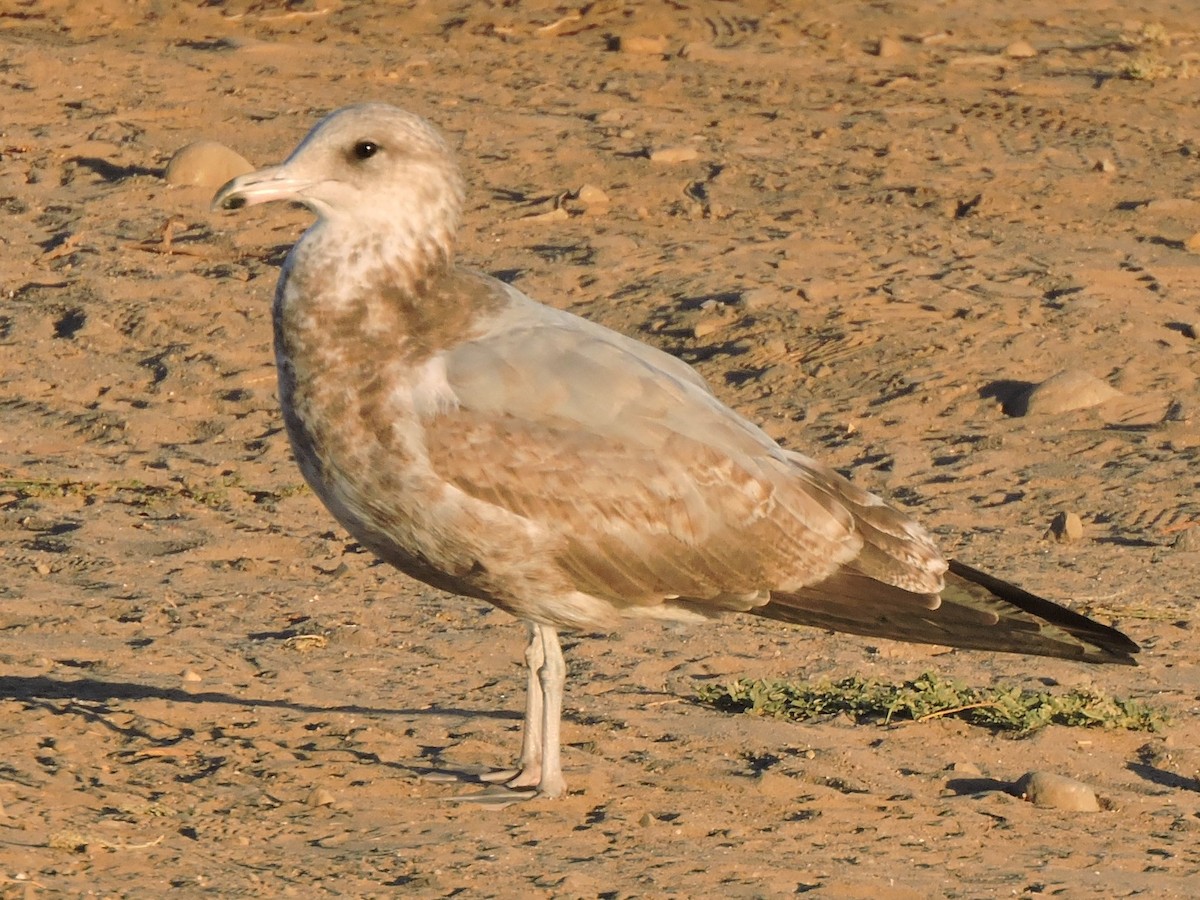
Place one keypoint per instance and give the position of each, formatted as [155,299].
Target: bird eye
[365,149]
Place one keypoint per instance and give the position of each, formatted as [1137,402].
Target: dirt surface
[874,226]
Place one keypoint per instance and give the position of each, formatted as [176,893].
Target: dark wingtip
[1107,644]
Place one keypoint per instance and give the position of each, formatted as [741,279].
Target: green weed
[928,697]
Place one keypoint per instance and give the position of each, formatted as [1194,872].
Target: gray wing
[658,491]
[659,494]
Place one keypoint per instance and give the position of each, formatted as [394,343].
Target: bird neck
[402,254]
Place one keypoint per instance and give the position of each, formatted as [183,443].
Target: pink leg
[552,676]
[541,764]
[530,773]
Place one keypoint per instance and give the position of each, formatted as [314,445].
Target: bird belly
[369,471]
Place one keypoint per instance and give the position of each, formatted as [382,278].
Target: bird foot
[500,776]
[508,786]
[525,777]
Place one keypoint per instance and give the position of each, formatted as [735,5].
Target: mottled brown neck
[389,316]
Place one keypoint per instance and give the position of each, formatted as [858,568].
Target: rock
[759,298]
[191,676]
[320,797]
[1020,50]
[967,769]
[1066,527]
[205,164]
[1069,390]
[590,195]
[1193,243]
[331,841]
[889,48]
[1173,206]
[821,290]
[1051,791]
[709,325]
[671,155]
[558,214]
[636,43]
[1187,540]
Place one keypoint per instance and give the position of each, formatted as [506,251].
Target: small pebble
[759,298]
[1069,390]
[1066,527]
[557,214]
[710,325]
[206,164]
[1193,243]
[191,676]
[966,768]
[320,797]
[889,48]
[1188,539]
[1020,50]
[334,840]
[636,43]
[1173,206]
[1048,790]
[822,290]
[590,195]
[669,155]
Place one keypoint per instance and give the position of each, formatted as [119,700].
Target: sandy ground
[874,225]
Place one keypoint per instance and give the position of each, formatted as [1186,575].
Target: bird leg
[552,677]
[540,764]
[529,772]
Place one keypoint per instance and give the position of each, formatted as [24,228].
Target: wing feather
[655,490]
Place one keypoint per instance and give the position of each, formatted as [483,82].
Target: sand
[874,230]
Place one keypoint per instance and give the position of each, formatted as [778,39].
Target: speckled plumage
[505,450]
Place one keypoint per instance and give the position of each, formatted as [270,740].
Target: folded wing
[662,496]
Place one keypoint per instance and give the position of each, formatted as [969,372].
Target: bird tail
[974,611]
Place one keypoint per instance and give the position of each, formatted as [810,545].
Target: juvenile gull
[500,449]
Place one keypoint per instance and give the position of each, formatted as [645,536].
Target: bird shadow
[92,698]
[97,701]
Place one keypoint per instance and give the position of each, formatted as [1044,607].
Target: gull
[504,450]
